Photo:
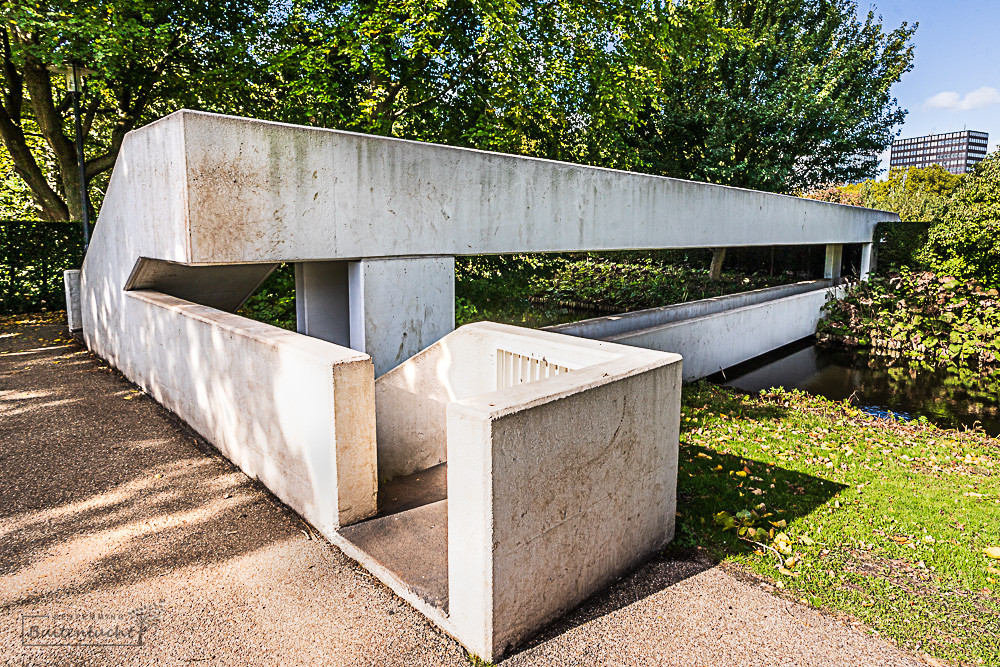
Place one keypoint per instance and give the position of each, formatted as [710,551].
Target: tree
[544,78]
[803,99]
[916,194]
[965,242]
[149,58]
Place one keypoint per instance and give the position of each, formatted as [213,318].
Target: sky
[955,80]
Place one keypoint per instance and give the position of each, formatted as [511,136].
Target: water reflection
[878,385]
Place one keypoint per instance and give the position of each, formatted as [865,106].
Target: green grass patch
[884,520]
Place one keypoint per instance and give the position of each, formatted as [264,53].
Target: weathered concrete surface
[714,334]
[223,287]
[400,306]
[295,412]
[322,301]
[71,281]
[236,582]
[256,191]
[411,401]
[389,309]
[601,328]
[562,470]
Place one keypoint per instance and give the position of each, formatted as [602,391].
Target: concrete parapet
[714,334]
[295,412]
[562,466]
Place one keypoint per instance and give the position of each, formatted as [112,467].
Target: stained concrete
[561,475]
[295,412]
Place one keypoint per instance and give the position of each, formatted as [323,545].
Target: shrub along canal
[948,397]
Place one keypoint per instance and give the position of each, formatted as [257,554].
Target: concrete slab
[409,537]
[413,545]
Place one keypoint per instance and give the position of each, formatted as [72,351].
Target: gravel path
[108,505]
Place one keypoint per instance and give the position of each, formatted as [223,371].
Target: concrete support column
[867,257]
[322,303]
[400,306]
[834,259]
[71,280]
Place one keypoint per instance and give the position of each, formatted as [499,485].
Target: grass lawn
[885,521]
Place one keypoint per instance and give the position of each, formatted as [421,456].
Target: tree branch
[14,94]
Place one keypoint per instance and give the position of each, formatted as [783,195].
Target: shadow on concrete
[703,491]
[103,486]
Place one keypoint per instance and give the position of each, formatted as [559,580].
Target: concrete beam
[235,190]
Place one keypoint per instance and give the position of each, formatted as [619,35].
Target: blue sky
[955,80]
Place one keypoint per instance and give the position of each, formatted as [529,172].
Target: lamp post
[74,83]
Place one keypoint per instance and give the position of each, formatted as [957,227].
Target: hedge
[33,256]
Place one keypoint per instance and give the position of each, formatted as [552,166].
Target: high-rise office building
[955,151]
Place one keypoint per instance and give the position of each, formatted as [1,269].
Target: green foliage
[900,245]
[919,316]
[33,256]
[274,302]
[554,80]
[966,241]
[147,59]
[801,99]
[539,290]
[917,195]
[950,223]
[604,279]
[883,520]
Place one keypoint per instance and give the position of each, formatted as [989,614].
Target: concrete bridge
[548,444]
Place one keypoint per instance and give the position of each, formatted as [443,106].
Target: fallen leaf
[992,552]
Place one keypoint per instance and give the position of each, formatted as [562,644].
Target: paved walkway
[109,505]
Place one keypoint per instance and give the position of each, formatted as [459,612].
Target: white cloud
[952,101]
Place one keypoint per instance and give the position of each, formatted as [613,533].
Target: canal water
[886,387]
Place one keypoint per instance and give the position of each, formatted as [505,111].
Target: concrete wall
[202,206]
[400,306]
[604,328]
[561,473]
[411,400]
[555,488]
[294,412]
[728,334]
[246,191]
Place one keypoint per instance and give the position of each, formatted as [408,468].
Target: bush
[920,316]
[33,256]
[274,301]
[966,242]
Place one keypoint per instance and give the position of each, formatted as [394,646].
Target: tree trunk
[718,255]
